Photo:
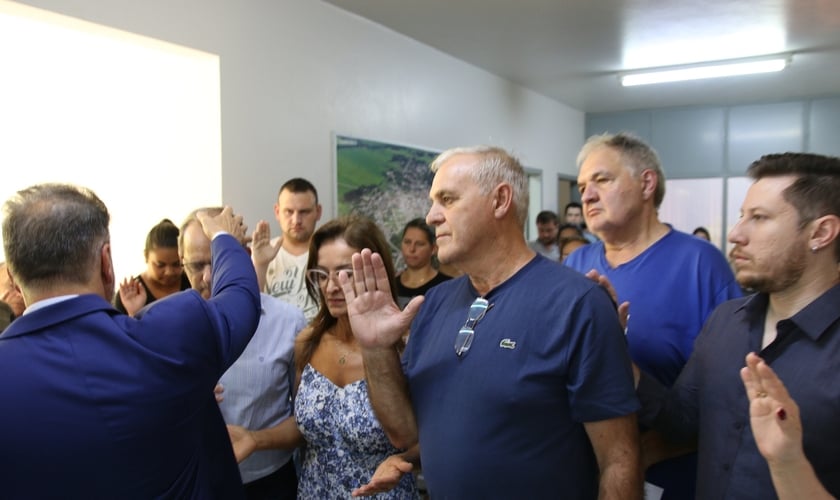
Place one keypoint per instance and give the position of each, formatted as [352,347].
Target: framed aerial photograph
[388,183]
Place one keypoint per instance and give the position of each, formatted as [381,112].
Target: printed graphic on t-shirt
[287,283]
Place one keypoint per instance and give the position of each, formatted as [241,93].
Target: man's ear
[649,183]
[106,270]
[502,199]
[824,232]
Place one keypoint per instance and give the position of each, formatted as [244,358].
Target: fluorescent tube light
[712,70]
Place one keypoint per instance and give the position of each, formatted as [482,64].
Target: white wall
[133,118]
[294,71]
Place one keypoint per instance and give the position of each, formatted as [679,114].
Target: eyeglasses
[196,267]
[465,336]
[319,277]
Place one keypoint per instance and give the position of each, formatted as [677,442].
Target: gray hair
[192,218]
[495,166]
[636,155]
[53,233]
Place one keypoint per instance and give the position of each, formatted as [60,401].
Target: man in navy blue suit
[97,404]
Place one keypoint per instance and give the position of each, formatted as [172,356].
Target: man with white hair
[671,280]
[516,378]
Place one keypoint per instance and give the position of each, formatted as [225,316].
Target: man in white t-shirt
[281,262]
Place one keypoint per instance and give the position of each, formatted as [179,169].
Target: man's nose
[433,217]
[735,235]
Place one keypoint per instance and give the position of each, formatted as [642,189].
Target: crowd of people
[613,357]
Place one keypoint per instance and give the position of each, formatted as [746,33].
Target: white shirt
[285,280]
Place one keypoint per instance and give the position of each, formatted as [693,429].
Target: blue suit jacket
[96,404]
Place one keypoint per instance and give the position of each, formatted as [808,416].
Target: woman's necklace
[343,351]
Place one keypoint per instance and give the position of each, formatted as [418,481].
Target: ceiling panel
[573,50]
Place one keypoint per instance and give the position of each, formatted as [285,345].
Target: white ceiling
[572,50]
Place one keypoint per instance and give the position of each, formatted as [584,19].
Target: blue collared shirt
[506,419]
[708,400]
[257,388]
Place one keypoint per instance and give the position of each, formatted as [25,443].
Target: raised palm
[262,250]
[376,319]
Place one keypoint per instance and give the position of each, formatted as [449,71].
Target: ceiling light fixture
[706,70]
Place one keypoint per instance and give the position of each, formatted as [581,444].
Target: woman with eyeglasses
[344,442]
[163,276]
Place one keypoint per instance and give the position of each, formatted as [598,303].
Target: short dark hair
[54,233]
[572,204]
[701,229]
[562,242]
[563,227]
[814,193]
[298,185]
[546,217]
[420,223]
[164,234]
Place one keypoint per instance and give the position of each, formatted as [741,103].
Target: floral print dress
[345,443]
